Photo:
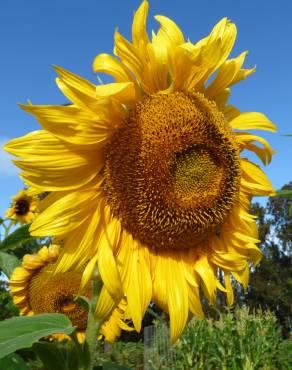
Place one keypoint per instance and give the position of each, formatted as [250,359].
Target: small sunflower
[36,289]
[23,208]
[146,175]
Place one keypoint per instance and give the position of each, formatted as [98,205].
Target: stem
[93,325]
[6,228]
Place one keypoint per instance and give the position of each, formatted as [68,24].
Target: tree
[271,283]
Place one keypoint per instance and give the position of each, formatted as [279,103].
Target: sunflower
[146,175]
[23,208]
[36,289]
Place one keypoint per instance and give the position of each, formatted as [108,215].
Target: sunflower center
[194,173]
[172,170]
[22,207]
[55,293]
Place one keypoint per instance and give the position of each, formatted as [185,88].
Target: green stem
[6,228]
[93,325]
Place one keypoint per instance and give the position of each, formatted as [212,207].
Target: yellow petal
[106,63]
[111,329]
[169,32]
[139,34]
[81,243]
[32,262]
[129,55]
[230,112]
[195,305]
[54,251]
[43,253]
[72,124]
[230,295]
[178,305]
[255,180]
[87,273]
[76,82]
[50,164]
[20,275]
[90,103]
[242,276]
[227,75]
[133,265]
[206,273]
[215,49]
[222,98]
[170,289]
[252,120]
[122,91]
[246,140]
[64,212]
[229,261]
[107,265]
[105,304]
[225,31]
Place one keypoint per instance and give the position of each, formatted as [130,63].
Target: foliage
[7,308]
[279,209]
[271,283]
[236,341]
[8,262]
[128,354]
[16,238]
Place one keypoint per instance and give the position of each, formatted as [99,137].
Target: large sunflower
[145,174]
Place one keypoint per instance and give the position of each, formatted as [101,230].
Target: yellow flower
[145,174]
[23,208]
[36,289]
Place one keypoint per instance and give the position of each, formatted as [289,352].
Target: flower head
[146,175]
[23,208]
[36,289]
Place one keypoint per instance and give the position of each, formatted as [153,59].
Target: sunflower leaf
[23,331]
[17,237]
[13,362]
[8,262]
[51,356]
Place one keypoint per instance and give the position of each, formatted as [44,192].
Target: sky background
[36,34]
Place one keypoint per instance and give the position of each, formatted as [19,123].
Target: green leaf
[290,210]
[8,262]
[284,193]
[74,358]
[22,332]
[17,237]
[13,362]
[51,356]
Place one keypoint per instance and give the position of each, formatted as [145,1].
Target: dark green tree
[271,283]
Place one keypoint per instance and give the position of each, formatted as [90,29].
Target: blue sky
[36,34]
